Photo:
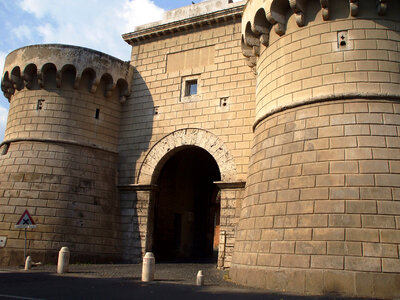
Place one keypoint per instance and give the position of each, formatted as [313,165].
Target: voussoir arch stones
[174,141]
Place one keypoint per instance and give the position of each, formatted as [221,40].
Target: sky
[95,24]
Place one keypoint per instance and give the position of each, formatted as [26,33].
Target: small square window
[191,88]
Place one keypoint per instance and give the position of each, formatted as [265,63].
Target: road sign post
[25,222]
[25,245]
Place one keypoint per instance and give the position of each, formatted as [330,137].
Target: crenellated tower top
[305,51]
[262,17]
[53,66]
[65,94]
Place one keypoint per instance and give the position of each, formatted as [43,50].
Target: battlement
[55,66]
[299,49]
[69,94]
[259,18]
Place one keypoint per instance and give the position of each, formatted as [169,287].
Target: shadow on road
[44,285]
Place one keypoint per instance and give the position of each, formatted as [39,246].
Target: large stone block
[327,262]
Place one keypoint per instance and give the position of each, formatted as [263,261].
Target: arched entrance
[147,191]
[186,206]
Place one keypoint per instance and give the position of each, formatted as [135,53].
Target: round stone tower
[59,155]
[322,207]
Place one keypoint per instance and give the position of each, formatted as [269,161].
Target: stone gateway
[264,133]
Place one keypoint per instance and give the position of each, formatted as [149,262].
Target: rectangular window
[191,88]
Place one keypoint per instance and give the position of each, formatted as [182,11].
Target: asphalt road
[123,282]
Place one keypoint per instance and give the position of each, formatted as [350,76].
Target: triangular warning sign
[25,221]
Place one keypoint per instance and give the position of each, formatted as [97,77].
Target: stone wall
[68,116]
[158,118]
[69,194]
[227,78]
[321,210]
[232,196]
[59,159]
[322,195]
[135,211]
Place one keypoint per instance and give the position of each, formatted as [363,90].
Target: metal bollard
[200,278]
[28,263]
[149,267]
[63,260]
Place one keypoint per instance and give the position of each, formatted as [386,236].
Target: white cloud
[47,31]
[23,32]
[2,61]
[37,8]
[139,12]
[3,100]
[94,24]
[3,121]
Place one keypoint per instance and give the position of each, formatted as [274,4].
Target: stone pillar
[136,220]
[232,194]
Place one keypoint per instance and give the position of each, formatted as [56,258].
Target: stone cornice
[58,141]
[138,187]
[224,185]
[185,24]
[335,97]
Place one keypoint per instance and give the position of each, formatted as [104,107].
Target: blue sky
[96,24]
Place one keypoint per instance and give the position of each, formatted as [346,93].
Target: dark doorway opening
[187,208]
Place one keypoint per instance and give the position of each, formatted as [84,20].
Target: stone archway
[145,188]
[165,148]
[186,207]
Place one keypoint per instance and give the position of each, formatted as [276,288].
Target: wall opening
[187,208]
[39,105]
[4,149]
[191,88]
